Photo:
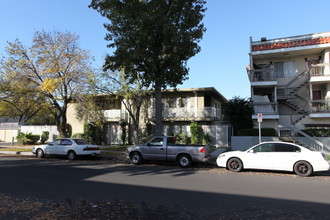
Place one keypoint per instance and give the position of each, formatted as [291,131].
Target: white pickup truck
[163,148]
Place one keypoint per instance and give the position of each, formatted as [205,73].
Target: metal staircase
[289,95]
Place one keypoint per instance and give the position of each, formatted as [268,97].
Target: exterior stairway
[289,95]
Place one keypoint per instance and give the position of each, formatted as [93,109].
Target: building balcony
[320,73]
[189,114]
[269,110]
[114,115]
[262,77]
[319,109]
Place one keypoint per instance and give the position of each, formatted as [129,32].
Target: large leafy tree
[19,100]
[153,40]
[51,72]
[238,111]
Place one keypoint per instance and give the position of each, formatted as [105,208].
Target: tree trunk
[61,122]
[159,109]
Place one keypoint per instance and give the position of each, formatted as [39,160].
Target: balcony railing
[190,113]
[267,108]
[114,115]
[266,74]
[320,69]
[320,106]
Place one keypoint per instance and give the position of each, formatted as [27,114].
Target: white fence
[220,134]
[38,129]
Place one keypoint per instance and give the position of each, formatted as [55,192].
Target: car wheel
[303,168]
[71,155]
[184,160]
[136,158]
[40,153]
[234,164]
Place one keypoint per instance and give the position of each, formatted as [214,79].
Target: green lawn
[119,148]
[18,149]
[116,148]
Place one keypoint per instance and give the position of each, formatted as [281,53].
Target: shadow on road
[59,180]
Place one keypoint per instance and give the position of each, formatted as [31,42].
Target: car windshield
[80,141]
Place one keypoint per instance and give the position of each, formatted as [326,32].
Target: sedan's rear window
[281,147]
[80,141]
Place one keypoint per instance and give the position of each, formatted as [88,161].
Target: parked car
[69,147]
[163,148]
[275,156]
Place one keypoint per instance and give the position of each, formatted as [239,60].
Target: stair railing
[293,86]
[309,141]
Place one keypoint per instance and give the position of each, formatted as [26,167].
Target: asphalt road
[200,190]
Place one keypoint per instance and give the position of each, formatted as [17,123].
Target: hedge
[271,132]
[317,132]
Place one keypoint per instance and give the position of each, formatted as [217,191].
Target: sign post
[259,122]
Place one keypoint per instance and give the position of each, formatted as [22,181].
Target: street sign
[259,122]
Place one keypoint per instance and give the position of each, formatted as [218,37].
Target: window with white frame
[285,69]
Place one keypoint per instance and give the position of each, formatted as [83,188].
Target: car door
[258,157]
[51,148]
[284,156]
[154,149]
[63,148]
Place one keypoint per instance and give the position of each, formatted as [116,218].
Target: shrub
[255,132]
[44,136]
[27,138]
[194,133]
[79,136]
[183,139]
[93,132]
[20,138]
[32,138]
[206,139]
[317,132]
[144,137]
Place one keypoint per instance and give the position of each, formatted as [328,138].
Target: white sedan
[70,147]
[275,156]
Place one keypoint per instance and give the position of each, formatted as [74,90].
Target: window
[184,102]
[286,148]
[156,142]
[171,103]
[171,141]
[57,142]
[263,148]
[284,69]
[81,142]
[66,142]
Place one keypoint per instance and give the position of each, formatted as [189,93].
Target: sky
[225,45]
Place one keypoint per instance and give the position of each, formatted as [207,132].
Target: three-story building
[290,83]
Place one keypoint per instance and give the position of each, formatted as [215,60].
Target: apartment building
[180,108]
[290,84]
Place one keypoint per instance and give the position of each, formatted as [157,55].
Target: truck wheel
[184,160]
[136,158]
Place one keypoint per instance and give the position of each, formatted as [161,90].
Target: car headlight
[221,156]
